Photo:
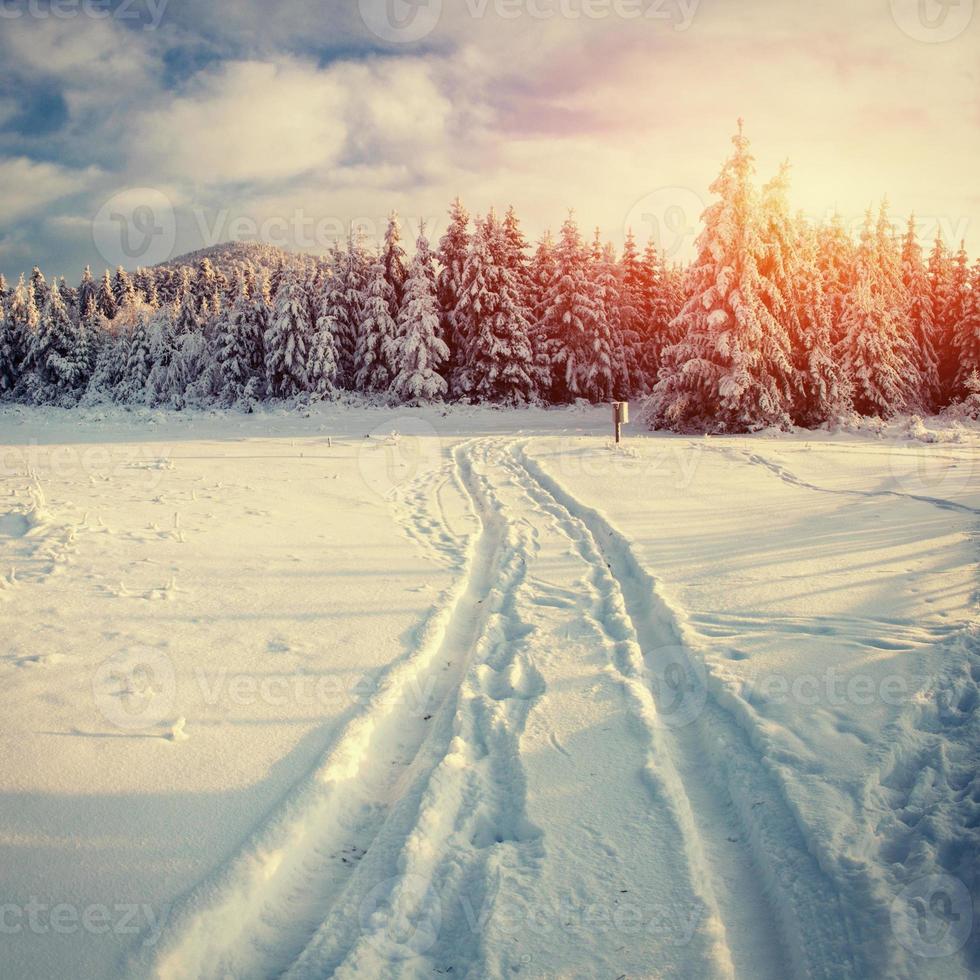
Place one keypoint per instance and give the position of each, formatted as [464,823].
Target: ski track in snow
[751,851]
[784,474]
[420,805]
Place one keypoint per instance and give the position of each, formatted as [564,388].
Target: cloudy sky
[144,128]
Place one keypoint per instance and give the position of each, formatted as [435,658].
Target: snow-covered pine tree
[323,347]
[635,318]
[836,260]
[138,358]
[497,364]
[795,297]
[8,366]
[105,298]
[543,270]
[394,259]
[286,341]
[206,290]
[233,358]
[573,319]
[876,354]
[88,290]
[966,339]
[453,248]
[732,368]
[372,371]
[39,288]
[25,319]
[342,303]
[417,353]
[122,289]
[55,360]
[4,289]
[920,319]
[953,307]
[610,379]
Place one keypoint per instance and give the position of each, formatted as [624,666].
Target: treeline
[777,322]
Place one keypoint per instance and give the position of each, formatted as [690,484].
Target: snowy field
[289,695]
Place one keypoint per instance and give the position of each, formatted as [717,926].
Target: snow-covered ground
[286,694]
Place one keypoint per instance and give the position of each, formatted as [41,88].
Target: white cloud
[248,121]
[36,185]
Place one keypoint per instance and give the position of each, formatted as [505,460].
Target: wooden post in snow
[621,417]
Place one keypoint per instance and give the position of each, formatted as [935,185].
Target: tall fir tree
[732,368]
[105,297]
[966,339]
[394,260]
[8,366]
[372,371]
[876,356]
[343,304]
[920,318]
[497,364]
[417,352]
[453,249]
[286,341]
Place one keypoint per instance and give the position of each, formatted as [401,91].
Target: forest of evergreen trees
[777,322]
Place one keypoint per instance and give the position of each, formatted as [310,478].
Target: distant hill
[229,256]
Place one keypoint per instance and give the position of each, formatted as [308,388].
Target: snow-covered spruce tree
[572,319]
[122,289]
[322,370]
[732,369]
[69,295]
[920,318]
[836,260]
[875,351]
[25,320]
[610,352]
[138,358]
[55,363]
[4,288]
[206,290]
[286,341]
[343,304]
[88,290]
[230,347]
[372,370]
[795,297]
[417,353]
[105,298]
[543,271]
[635,316]
[966,339]
[497,364]
[8,367]
[453,248]
[517,256]
[394,259]
[952,306]
[39,288]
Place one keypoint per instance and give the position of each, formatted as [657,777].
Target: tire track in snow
[438,880]
[292,900]
[744,837]
[755,459]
